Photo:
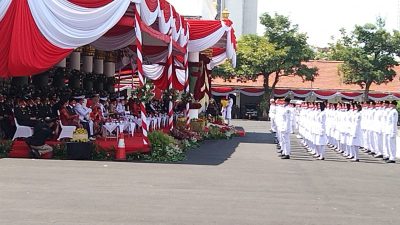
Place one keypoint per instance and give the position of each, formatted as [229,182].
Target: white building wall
[235,7]
[243,14]
[250,17]
[203,8]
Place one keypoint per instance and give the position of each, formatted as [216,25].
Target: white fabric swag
[164,26]
[4,5]
[147,16]
[153,72]
[111,43]
[181,75]
[69,26]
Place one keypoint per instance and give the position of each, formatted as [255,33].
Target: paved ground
[240,181]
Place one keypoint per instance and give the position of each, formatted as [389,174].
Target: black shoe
[378,156]
[385,158]
[285,157]
[34,154]
[355,160]
[368,151]
[281,155]
[279,151]
[390,161]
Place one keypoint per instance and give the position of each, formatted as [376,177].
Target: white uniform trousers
[285,143]
[392,147]
[378,143]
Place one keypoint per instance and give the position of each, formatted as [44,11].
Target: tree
[281,51]
[369,55]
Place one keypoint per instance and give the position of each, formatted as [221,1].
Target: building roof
[328,79]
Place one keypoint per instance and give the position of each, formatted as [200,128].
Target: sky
[321,19]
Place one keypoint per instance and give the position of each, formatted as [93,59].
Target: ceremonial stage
[132,144]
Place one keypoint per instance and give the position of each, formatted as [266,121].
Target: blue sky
[321,19]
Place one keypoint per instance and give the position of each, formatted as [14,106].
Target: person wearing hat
[285,128]
[37,142]
[390,132]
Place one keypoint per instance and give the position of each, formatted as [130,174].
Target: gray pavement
[239,181]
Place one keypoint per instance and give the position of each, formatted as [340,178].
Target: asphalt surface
[238,181]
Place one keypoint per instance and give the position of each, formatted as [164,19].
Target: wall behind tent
[244,99]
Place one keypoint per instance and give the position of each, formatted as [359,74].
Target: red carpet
[132,144]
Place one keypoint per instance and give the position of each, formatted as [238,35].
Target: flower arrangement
[170,95]
[197,125]
[183,134]
[187,97]
[80,135]
[144,93]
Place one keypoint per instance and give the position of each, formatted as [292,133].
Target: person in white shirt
[120,109]
[84,115]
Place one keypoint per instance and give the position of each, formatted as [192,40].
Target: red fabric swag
[203,28]
[23,49]
[152,4]
[91,3]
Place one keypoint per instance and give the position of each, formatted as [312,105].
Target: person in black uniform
[23,115]
[5,118]
[45,109]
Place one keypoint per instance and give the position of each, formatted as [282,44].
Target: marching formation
[344,127]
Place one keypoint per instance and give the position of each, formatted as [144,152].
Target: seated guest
[112,108]
[97,117]
[21,113]
[84,115]
[120,106]
[68,117]
[41,132]
[45,109]
[103,106]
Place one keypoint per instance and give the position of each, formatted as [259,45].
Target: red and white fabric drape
[139,63]
[35,35]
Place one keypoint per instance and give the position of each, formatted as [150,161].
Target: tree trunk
[276,80]
[266,97]
[366,91]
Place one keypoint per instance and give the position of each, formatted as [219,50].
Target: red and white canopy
[37,34]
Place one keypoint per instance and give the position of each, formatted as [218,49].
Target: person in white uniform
[285,129]
[320,137]
[391,133]
[229,110]
[271,114]
[84,115]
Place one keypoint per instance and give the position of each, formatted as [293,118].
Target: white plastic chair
[22,131]
[66,131]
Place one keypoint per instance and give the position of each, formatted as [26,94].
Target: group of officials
[344,127]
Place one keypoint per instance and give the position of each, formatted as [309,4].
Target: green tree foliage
[368,53]
[280,51]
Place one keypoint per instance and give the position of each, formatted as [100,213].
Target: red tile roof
[328,79]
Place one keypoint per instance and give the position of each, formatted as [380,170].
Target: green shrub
[164,148]
[5,148]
